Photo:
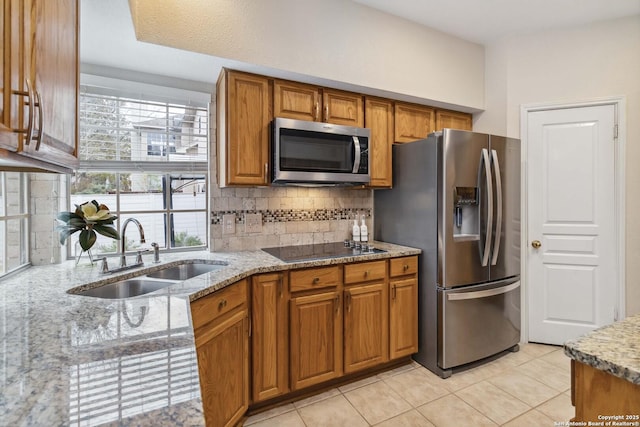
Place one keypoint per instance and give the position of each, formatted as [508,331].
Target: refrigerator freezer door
[505,256]
[478,321]
[464,164]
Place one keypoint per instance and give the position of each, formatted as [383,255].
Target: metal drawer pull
[405,267]
[222,304]
[316,280]
[483,294]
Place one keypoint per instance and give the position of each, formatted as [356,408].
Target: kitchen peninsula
[605,369]
[73,360]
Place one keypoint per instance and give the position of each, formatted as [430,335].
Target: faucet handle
[104,267]
[139,257]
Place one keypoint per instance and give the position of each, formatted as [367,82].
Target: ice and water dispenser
[466,214]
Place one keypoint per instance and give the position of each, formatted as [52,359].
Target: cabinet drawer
[403,266]
[364,271]
[209,308]
[314,278]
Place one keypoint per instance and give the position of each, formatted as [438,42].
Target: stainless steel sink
[185,271]
[126,288]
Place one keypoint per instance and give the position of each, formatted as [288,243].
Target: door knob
[536,244]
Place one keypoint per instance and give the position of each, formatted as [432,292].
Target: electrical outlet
[253,223]
[228,224]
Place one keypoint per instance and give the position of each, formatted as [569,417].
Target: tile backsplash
[290,215]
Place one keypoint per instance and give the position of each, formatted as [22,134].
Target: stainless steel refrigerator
[456,196]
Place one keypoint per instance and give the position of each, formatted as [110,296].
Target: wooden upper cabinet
[243,117]
[379,119]
[343,108]
[12,77]
[55,73]
[296,100]
[39,96]
[413,122]
[308,102]
[453,120]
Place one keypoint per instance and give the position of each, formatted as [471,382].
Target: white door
[572,246]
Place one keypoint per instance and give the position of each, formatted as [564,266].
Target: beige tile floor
[527,388]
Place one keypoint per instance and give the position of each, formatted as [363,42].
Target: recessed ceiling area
[488,20]
[107,36]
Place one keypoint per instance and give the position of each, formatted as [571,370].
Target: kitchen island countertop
[77,360]
[614,349]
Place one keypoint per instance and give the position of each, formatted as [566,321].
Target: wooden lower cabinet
[366,326]
[595,393]
[222,345]
[270,336]
[315,338]
[403,307]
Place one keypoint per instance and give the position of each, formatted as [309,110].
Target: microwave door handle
[356,162]
[496,241]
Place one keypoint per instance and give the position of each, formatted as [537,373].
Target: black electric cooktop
[318,251]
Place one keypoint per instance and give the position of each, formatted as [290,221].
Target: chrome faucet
[123,242]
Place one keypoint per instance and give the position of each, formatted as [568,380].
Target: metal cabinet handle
[280,286]
[326,113]
[348,297]
[222,304]
[337,303]
[366,273]
[31,118]
[315,116]
[405,267]
[393,294]
[316,280]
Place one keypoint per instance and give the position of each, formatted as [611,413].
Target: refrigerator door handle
[482,294]
[497,235]
[487,241]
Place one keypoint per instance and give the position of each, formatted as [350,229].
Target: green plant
[183,239]
[88,218]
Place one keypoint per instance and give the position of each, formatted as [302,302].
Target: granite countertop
[77,360]
[614,349]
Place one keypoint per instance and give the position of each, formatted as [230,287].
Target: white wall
[328,41]
[594,61]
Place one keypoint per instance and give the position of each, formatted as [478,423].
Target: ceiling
[107,36]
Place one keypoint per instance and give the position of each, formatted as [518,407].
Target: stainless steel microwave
[314,153]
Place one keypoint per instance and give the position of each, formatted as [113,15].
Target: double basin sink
[149,282]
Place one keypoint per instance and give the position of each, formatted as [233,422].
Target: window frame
[166,169]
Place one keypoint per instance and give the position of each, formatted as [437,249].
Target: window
[14,222]
[146,159]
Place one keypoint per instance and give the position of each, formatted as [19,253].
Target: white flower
[91,212]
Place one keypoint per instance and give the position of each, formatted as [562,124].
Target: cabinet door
[243,129]
[413,122]
[453,120]
[343,108]
[55,72]
[403,328]
[316,339]
[379,118]
[296,101]
[223,364]
[366,329]
[270,338]
[13,26]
